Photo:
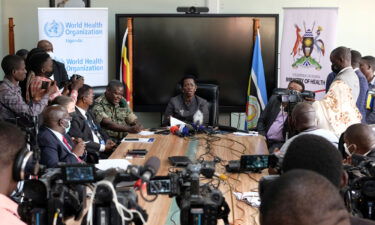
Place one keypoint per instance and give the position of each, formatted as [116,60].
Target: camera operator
[317,154]
[11,101]
[360,139]
[12,141]
[54,142]
[304,122]
[272,123]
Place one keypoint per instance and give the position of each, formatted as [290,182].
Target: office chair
[210,92]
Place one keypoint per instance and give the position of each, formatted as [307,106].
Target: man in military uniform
[113,113]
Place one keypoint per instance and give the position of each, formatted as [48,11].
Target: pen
[131,139]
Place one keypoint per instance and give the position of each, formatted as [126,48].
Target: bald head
[361,137]
[302,197]
[341,58]
[53,114]
[303,116]
[45,45]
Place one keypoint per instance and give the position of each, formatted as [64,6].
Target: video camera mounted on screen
[359,195]
[199,203]
[292,97]
[60,193]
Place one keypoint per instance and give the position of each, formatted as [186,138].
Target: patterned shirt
[35,91]
[10,95]
[120,114]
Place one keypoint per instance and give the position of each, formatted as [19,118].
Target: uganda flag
[125,75]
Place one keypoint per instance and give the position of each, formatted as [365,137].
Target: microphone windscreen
[173,129]
[153,163]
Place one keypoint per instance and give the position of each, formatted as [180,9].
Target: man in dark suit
[59,72]
[83,125]
[272,120]
[54,142]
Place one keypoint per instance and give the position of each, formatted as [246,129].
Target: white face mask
[346,147]
[51,54]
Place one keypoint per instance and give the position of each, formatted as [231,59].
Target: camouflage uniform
[121,115]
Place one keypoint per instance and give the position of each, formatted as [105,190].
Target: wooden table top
[226,147]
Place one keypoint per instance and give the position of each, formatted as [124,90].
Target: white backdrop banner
[80,40]
[309,36]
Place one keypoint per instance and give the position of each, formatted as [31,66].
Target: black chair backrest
[99,90]
[210,92]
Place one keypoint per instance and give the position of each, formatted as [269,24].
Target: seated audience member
[304,122]
[272,122]
[12,140]
[363,84]
[367,66]
[187,106]
[338,110]
[302,197]
[360,139]
[54,142]
[59,73]
[22,53]
[315,153]
[66,102]
[113,114]
[83,125]
[11,100]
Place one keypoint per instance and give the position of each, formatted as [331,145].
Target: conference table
[164,209]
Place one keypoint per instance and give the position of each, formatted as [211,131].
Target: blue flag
[255,104]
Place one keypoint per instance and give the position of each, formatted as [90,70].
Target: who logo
[54,29]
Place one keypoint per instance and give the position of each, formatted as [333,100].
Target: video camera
[199,203]
[60,193]
[292,97]
[359,196]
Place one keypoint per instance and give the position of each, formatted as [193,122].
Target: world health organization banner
[309,36]
[80,40]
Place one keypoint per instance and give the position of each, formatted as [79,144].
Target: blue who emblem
[54,29]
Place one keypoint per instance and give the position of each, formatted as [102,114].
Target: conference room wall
[351,32]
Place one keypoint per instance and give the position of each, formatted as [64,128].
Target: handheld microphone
[150,168]
[175,130]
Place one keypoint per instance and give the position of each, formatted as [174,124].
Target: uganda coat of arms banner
[309,36]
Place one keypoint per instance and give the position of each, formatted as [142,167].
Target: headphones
[23,158]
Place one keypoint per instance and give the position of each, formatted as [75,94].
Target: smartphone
[254,162]
[45,84]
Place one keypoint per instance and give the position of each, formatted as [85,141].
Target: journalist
[272,123]
[12,140]
[360,139]
[315,153]
[11,101]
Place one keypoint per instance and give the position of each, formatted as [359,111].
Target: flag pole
[256,27]
[130,51]
[11,36]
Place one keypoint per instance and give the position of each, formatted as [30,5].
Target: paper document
[174,121]
[139,140]
[251,198]
[145,133]
[251,133]
[105,164]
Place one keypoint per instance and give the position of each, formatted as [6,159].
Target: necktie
[67,144]
[93,127]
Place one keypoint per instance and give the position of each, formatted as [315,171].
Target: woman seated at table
[187,106]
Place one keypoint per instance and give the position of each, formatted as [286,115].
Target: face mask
[346,147]
[336,69]
[67,128]
[51,54]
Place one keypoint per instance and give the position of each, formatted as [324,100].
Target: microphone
[175,130]
[150,168]
[198,117]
